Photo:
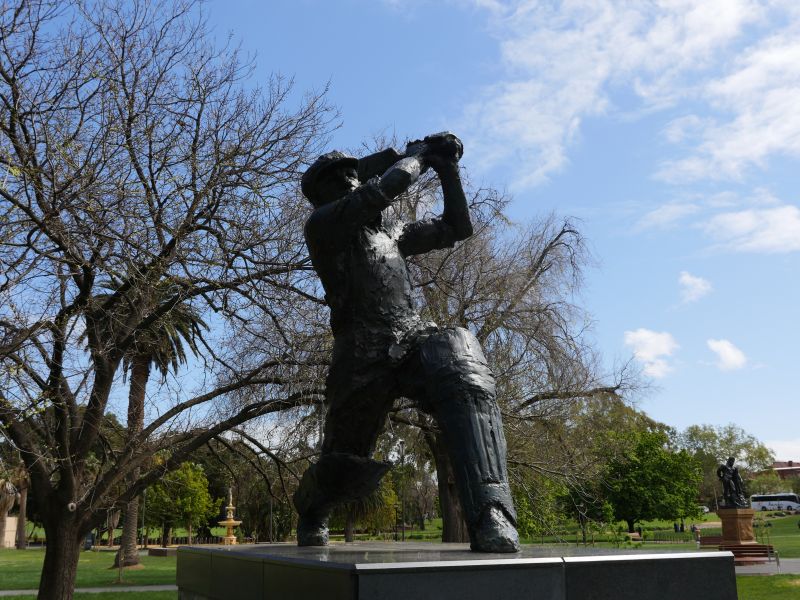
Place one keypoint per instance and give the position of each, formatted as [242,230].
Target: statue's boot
[494,532]
[335,479]
[461,390]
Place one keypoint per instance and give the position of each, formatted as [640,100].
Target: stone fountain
[229,523]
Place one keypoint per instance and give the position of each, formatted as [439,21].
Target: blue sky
[670,129]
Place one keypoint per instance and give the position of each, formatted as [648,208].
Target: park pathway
[97,590]
[789,566]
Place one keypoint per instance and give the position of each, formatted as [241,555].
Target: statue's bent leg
[335,479]
[460,391]
[344,472]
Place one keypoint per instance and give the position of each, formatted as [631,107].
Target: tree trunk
[583,522]
[60,559]
[140,373]
[189,532]
[127,545]
[630,525]
[454,528]
[350,524]
[113,521]
[271,532]
[22,537]
[166,535]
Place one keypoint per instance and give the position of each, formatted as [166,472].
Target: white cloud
[756,103]
[685,128]
[652,348]
[561,60]
[765,230]
[667,215]
[729,357]
[762,196]
[785,449]
[755,222]
[736,61]
[692,287]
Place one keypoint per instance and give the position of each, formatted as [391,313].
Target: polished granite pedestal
[418,571]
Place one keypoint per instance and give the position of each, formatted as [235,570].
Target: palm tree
[161,345]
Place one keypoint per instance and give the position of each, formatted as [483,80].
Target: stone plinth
[737,525]
[11,533]
[422,571]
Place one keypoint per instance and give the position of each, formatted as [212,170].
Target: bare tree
[516,288]
[134,153]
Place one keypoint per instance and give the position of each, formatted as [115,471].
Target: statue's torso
[368,289]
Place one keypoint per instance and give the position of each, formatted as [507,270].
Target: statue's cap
[318,167]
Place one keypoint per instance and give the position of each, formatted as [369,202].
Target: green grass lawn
[20,570]
[784,534]
[772,587]
[36,533]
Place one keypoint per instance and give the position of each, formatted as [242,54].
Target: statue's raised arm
[442,152]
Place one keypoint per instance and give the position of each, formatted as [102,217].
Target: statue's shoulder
[312,225]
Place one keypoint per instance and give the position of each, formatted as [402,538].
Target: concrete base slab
[387,571]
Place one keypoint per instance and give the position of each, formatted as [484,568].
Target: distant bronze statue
[733,493]
[384,351]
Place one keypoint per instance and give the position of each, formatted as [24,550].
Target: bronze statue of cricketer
[384,351]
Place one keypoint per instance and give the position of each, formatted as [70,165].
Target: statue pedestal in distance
[737,525]
[738,538]
[737,519]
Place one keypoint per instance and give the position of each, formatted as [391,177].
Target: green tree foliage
[651,480]
[582,448]
[375,513]
[712,446]
[181,498]
[381,516]
[536,502]
[767,482]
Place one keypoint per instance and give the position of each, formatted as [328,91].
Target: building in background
[786,469]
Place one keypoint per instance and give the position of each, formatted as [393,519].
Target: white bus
[782,501]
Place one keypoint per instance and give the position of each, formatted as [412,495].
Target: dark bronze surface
[733,492]
[382,348]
